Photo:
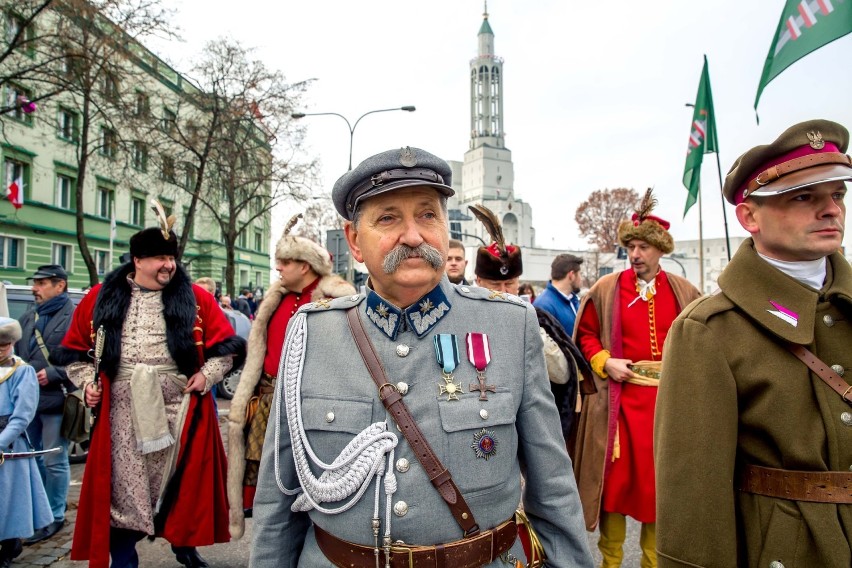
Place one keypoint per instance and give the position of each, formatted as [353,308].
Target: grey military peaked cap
[388,171]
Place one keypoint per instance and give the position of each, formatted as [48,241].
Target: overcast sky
[594,92]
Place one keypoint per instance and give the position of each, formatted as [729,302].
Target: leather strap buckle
[397,549]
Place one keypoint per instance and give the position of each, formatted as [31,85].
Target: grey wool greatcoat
[733,395]
[339,399]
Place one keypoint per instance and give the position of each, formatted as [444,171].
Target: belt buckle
[396,548]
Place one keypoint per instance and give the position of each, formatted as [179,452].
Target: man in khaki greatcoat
[753,450]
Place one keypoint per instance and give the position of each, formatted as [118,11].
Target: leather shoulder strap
[390,397]
[823,371]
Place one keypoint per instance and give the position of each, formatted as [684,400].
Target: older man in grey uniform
[339,484]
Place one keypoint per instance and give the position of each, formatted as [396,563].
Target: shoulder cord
[353,470]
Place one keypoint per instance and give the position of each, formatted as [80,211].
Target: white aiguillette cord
[350,474]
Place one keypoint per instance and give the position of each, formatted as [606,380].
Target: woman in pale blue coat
[24,501]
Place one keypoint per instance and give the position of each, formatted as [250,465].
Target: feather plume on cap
[166,223]
[487,217]
[291,223]
[646,205]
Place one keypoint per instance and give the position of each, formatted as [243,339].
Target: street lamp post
[297,115]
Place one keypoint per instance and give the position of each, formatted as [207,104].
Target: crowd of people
[432,420]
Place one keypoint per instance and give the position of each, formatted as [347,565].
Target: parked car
[20,299]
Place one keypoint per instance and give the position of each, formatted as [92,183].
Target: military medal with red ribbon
[479,355]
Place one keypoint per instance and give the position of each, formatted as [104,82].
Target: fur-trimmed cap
[291,247]
[10,330]
[156,241]
[646,227]
[498,261]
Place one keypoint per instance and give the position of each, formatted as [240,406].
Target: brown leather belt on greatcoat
[812,486]
[470,552]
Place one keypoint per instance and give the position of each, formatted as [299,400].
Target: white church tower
[487,175]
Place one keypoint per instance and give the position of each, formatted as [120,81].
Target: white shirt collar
[808,272]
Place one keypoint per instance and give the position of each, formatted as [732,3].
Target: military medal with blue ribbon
[447,353]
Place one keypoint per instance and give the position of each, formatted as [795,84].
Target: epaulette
[706,307]
[326,304]
[479,293]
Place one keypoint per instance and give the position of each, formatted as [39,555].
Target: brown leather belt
[471,552]
[813,486]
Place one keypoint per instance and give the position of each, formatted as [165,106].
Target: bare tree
[25,52]
[598,217]
[89,51]
[235,135]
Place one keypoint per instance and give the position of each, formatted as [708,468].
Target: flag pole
[724,212]
[700,242]
[111,232]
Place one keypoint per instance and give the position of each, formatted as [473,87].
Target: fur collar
[179,310]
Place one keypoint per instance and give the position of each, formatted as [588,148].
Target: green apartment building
[40,153]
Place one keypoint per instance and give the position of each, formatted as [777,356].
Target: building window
[244,282]
[242,241]
[168,171]
[102,261]
[258,279]
[61,254]
[189,176]
[64,191]
[109,142]
[16,172]
[143,105]
[16,98]
[258,241]
[109,86]
[67,125]
[137,211]
[455,230]
[11,252]
[169,121]
[104,202]
[140,156]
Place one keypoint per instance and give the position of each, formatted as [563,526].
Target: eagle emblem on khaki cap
[816,141]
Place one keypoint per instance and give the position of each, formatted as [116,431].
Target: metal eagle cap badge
[406,157]
[816,141]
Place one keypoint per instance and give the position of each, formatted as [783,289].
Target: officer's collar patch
[421,316]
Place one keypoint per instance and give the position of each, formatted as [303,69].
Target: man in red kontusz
[622,324]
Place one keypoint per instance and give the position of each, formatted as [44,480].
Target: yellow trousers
[613,528]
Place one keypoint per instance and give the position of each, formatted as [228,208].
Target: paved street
[55,551]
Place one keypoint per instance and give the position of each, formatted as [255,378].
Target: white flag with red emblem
[15,193]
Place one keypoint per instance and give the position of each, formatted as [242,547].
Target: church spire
[486,90]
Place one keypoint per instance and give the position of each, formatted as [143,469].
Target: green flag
[702,138]
[806,25]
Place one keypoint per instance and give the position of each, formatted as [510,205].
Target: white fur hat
[291,247]
[10,330]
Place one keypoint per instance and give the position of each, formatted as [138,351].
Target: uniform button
[829,321]
[776,564]
[846,418]
[402,465]
[483,414]
[400,509]
[402,388]
[329,417]
[403,350]
[465,289]
[838,369]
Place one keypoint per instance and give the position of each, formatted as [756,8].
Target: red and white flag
[15,193]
